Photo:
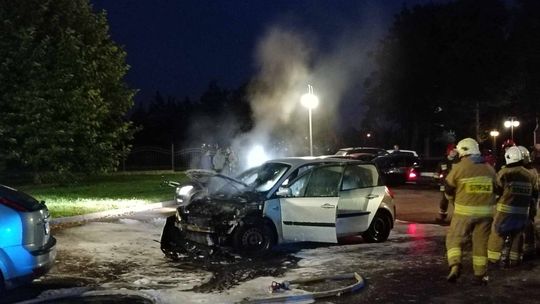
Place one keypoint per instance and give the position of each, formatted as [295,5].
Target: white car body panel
[309,219]
[356,209]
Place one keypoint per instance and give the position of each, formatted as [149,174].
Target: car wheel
[254,239]
[170,238]
[379,230]
[2,286]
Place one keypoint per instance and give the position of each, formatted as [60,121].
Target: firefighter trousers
[496,244]
[462,229]
[443,207]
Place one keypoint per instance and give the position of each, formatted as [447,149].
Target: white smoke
[289,60]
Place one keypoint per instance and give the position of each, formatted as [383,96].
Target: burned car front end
[216,212]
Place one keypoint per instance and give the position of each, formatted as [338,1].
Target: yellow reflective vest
[470,185]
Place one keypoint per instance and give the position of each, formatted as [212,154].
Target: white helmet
[525,154]
[513,155]
[467,146]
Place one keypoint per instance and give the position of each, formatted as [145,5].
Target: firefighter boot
[480,280]
[455,272]
[505,252]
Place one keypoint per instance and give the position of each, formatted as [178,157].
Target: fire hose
[288,285]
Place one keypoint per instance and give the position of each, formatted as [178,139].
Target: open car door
[361,194]
[309,213]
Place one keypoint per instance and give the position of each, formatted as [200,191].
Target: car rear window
[18,200]
[360,176]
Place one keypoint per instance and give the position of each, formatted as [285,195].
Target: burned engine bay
[210,207]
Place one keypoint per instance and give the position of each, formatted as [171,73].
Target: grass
[105,192]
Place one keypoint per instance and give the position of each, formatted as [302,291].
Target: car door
[309,213]
[361,194]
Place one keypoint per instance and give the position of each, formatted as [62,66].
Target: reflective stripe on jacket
[471,185]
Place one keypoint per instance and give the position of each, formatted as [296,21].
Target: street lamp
[310,101]
[511,124]
[494,134]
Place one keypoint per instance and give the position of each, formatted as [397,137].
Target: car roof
[360,148]
[298,161]
[410,152]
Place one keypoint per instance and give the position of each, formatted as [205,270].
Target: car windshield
[258,179]
[264,177]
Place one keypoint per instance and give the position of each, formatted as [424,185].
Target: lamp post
[310,101]
[511,124]
[494,134]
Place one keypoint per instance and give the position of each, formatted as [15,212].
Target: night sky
[177,47]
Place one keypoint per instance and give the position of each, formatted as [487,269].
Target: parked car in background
[361,153]
[412,152]
[302,199]
[399,168]
[27,248]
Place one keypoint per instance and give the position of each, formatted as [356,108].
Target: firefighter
[529,236]
[470,187]
[442,170]
[515,186]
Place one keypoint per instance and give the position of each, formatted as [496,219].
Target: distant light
[368,135]
[309,101]
[494,133]
[256,156]
[511,123]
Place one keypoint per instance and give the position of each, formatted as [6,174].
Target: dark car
[27,248]
[370,150]
[284,200]
[399,168]
[361,153]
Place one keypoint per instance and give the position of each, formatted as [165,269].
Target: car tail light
[389,192]
[7,202]
[412,174]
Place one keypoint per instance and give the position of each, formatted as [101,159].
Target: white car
[284,200]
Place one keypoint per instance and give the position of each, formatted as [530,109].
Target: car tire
[2,284]
[253,239]
[379,230]
[170,238]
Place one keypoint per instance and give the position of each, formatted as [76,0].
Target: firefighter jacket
[516,185]
[443,168]
[470,186]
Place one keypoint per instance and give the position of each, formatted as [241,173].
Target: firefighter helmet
[467,146]
[525,153]
[513,155]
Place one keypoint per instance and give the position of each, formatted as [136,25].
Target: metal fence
[157,158]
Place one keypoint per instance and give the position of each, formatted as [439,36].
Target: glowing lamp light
[309,101]
[256,156]
[511,123]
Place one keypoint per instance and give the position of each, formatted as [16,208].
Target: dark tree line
[463,66]
[216,118]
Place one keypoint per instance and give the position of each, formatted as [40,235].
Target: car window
[359,176]
[264,177]
[297,173]
[319,182]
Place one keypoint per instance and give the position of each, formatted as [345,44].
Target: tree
[62,95]
[450,57]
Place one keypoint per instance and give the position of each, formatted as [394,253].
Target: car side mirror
[283,192]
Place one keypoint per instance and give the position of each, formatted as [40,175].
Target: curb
[108,213]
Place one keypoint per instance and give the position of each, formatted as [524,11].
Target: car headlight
[182,192]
